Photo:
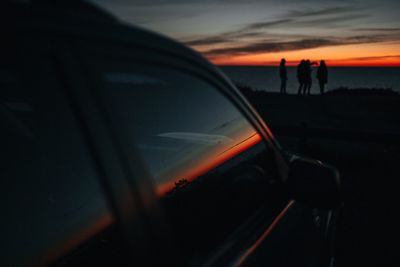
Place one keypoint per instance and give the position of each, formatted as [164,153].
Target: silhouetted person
[322,76]
[307,77]
[301,76]
[283,76]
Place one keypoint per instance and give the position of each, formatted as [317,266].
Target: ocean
[267,78]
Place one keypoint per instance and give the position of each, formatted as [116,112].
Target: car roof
[83,19]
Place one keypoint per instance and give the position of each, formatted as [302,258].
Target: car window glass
[179,137]
[210,167]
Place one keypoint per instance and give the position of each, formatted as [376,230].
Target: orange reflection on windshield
[211,162]
[74,237]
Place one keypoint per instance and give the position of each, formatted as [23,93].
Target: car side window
[210,168]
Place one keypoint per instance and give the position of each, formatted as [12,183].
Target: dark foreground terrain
[360,135]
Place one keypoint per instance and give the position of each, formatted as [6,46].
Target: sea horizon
[266,78]
[292,66]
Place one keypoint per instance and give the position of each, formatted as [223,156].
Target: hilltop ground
[359,136]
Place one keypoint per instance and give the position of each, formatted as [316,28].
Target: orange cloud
[346,55]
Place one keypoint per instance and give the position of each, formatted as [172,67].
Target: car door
[210,180]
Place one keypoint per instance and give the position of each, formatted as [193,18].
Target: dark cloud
[263,25]
[321,17]
[265,47]
[378,29]
[208,40]
[237,38]
[155,3]
[247,31]
[174,2]
[319,12]
[375,58]
[317,18]
[268,47]
[325,22]
[371,38]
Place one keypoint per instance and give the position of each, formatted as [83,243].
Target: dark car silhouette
[122,147]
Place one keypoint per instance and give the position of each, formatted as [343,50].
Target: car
[122,147]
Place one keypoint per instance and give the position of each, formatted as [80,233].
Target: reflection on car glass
[198,162]
[157,147]
[250,138]
[198,138]
[129,78]
[183,126]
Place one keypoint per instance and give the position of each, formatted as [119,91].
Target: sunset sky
[261,32]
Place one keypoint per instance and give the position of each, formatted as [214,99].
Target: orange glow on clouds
[346,55]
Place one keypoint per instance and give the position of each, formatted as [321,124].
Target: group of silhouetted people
[304,76]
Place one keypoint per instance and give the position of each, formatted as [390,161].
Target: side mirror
[314,183]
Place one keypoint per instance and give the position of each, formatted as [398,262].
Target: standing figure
[301,76]
[322,76]
[308,79]
[283,76]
